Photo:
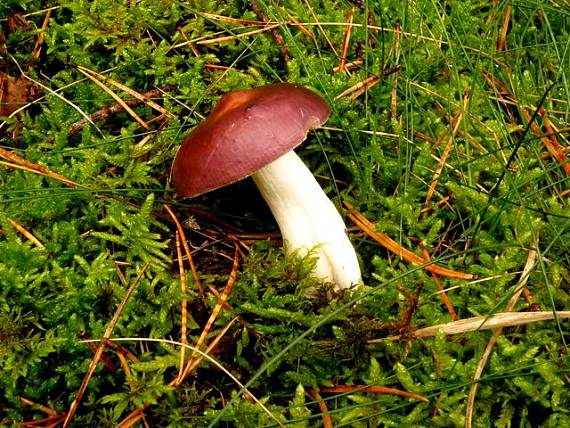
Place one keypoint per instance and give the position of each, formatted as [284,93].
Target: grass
[447,138]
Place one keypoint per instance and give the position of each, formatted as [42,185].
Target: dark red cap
[246,131]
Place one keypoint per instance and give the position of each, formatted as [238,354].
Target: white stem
[308,219]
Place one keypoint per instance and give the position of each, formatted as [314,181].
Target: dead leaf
[16,21]
[14,93]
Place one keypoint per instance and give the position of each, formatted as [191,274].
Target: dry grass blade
[223,39]
[497,321]
[375,389]
[97,356]
[184,303]
[394,95]
[405,254]
[187,251]
[16,161]
[529,266]
[27,234]
[129,110]
[115,108]
[231,20]
[356,90]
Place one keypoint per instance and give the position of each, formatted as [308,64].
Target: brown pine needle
[554,148]
[97,356]
[551,143]
[129,110]
[18,162]
[503,40]
[215,312]
[327,420]
[187,251]
[349,16]
[124,364]
[405,254]
[209,349]
[440,288]
[456,122]
[27,234]
[40,40]
[138,414]
[343,389]
[45,409]
[184,303]
[302,28]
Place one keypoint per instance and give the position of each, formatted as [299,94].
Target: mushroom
[253,133]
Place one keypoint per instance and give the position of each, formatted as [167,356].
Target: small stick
[279,40]
[97,356]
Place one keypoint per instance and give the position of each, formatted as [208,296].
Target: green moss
[499,195]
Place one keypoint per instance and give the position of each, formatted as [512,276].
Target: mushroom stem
[308,220]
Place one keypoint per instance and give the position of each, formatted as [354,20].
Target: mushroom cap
[247,130]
